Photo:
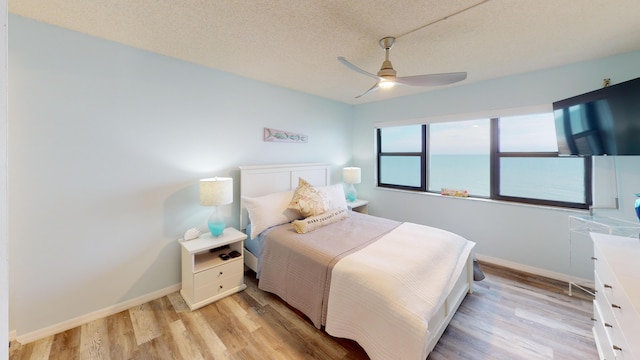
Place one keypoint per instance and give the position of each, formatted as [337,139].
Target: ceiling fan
[387,78]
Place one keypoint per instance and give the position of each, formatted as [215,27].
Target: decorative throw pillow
[315,222]
[307,200]
[269,210]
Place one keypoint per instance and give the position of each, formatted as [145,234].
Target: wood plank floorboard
[510,315]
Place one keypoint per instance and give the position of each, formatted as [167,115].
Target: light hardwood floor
[510,315]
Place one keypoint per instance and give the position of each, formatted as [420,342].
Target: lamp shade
[351,175]
[216,191]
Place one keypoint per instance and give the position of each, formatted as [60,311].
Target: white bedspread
[385,305]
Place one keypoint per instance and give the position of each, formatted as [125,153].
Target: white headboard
[258,180]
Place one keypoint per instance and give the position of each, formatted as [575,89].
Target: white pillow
[269,210]
[335,196]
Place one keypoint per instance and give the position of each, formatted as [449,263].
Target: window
[459,155]
[509,158]
[401,157]
[529,169]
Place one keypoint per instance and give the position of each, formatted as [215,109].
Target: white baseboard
[83,319]
[534,270]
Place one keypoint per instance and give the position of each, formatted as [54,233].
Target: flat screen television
[600,122]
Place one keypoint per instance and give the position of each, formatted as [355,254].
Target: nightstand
[359,205]
[206,277]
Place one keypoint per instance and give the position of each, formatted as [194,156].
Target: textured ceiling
[295,43]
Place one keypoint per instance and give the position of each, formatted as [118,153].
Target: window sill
[486,200]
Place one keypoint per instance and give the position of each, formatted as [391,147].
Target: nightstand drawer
[234,266]
[217,280]
[210,289]
[214,273]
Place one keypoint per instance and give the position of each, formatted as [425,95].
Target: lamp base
[216,228]
[352,194]
[216,222]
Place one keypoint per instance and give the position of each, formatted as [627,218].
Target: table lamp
[351,175]
[216,192]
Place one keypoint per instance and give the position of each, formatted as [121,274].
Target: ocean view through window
[459,156]
[510,158]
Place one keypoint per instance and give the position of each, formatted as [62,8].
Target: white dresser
[616,308]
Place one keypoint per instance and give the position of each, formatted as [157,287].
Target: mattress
[254,245]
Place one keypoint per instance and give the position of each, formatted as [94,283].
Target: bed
[391,286]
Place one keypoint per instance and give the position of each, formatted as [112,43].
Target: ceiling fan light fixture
[387,76]
[386,84]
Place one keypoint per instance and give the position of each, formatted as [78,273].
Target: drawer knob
[608,325]
[594,320]
[607,286]
[220,274]
[221,287]
[615,306]
[618,348]
[594,258]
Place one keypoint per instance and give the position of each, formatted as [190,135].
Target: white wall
[4,265]
[106,146]
[534,237]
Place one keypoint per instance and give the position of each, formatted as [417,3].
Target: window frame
[494,171]
[494,182]
[422,154]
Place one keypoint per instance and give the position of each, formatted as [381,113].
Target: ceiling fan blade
[346,63]
[371,89]
[432,79]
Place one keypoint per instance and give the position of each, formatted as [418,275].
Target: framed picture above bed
[273,135]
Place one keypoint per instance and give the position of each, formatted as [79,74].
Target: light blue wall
[535,237]
[106,146]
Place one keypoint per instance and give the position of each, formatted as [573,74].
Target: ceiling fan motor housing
[386,70]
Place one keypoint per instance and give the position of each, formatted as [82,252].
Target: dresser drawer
[603,341]
[610,320]
[617,304]
[604,272]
